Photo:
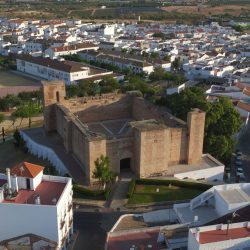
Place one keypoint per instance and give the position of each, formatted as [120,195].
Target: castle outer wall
[150,144]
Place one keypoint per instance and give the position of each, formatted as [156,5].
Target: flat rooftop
[223,235]
[204,213]
[137,222]
[207,161]
[47,190]
[235,196]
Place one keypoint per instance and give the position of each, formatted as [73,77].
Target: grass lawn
[148,194]
[9,79]
[10,156]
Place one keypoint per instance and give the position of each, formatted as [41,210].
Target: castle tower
[196,125]
[53,92]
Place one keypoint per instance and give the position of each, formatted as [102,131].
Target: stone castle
[132,132]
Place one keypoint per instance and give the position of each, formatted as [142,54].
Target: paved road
[92,227]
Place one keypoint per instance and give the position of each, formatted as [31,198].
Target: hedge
[179,183]
[88,192]
[131,188]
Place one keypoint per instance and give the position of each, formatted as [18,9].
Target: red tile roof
[47,190]
[26,169]
[222,235]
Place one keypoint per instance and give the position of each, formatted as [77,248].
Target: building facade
[68,71]
[31,202]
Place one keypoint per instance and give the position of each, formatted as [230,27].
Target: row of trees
[7,62]
[109,84]
[25,105]
[10,101]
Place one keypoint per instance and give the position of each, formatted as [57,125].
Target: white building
[54,52]
[49,69]
[31,202]
[214,203]
[234,236]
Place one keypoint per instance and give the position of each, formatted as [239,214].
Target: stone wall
[106,110]
[53,92]
[120,149]
[152,151]
[196,125]
[142,110]
[178,145]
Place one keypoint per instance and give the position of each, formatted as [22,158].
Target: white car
[240,173]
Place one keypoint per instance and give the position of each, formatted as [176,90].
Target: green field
[148,194]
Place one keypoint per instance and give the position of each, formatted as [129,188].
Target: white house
[213,203]
[31,202]
[54,52]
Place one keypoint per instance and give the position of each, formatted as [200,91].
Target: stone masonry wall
[178,146]
[106,111]
[152,153]
[196,124]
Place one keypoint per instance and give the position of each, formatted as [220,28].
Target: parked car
[240,173]
[238,163]
[239,154]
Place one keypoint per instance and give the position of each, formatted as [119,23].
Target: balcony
[62,224]
[70,222]
[70,207]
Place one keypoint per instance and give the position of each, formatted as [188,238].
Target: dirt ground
[11,124]
[208,10]
[9,79]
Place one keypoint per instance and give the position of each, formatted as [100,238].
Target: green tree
[176,63]
[102,171]
[155,55]
[167,58]
[222,120]
[108,84]
[27,110]
[157,74]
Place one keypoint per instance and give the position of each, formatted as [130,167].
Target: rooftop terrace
[47,190]
[223,235]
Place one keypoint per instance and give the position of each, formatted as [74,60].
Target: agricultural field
[210,10]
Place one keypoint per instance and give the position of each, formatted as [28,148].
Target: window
[57,96]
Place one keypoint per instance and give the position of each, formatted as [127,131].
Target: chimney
[16,183]
[37,200]
[8,178]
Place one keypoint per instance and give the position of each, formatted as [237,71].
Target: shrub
[87,192]
[131,188]
[107,193]
[177,183]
